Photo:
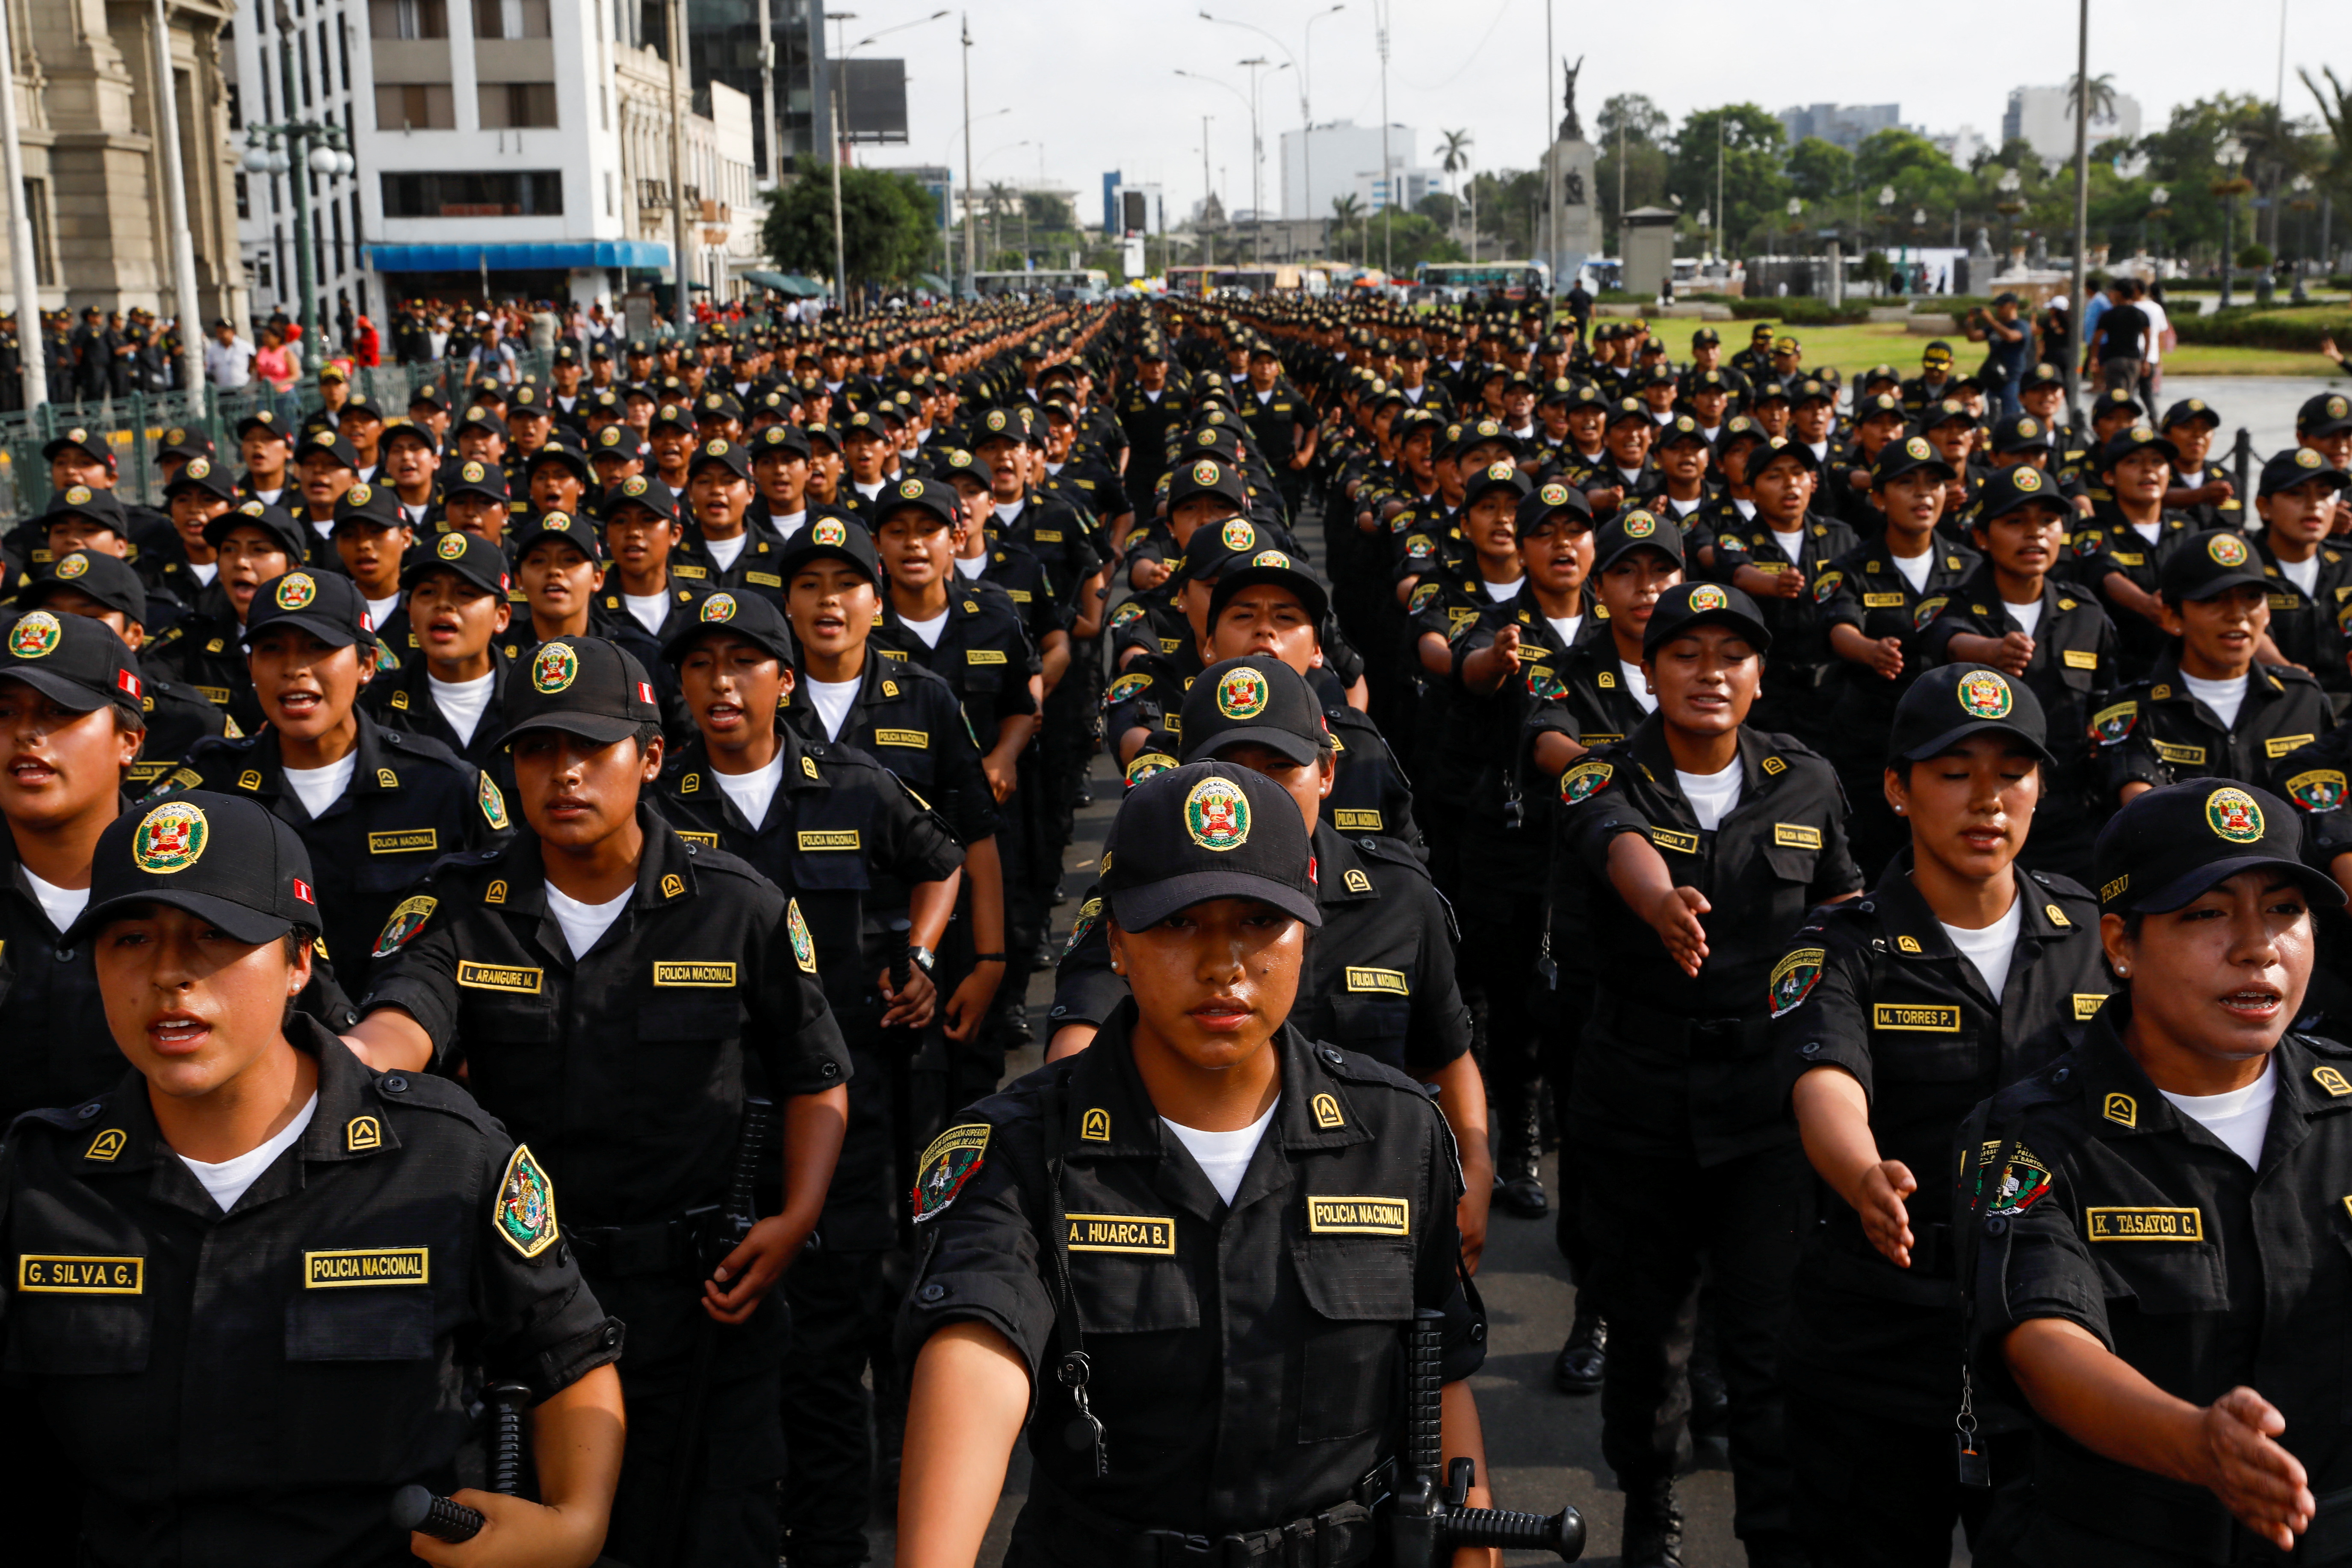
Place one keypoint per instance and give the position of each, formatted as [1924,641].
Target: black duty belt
[656,1247]
[1345,1535]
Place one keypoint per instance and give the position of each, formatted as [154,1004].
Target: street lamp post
[841,145]
[24,265]
[2231,152]
[2159,207]
[971,191]
[1255,64]
[1305,113]
[297,149]
[1887,211]
[2302,205]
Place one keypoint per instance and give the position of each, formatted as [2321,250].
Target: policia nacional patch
[952,1160]
[526,1208]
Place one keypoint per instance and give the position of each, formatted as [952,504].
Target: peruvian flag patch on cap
[127,683]
[302,891]
[645,694]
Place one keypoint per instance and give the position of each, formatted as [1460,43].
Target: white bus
[1065,284]
[1467,279]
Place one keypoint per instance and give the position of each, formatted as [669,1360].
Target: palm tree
[2103,95]
[1455,157]
[1347,209]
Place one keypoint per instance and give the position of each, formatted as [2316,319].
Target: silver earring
[2123,971]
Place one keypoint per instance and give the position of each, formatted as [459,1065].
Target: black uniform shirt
[1245,1356]
[409,802]
[2074,653]
[2158,732]
[694,563]
[403,701]
[2119,1212]
[983,652]
[1867,590]
[1778,853]
[249,1387]
[2304,626]
[1380,970]
[910,721]
[624,1068]
[1874,986]
[177,721]
[2118,548]
[204,651]
[1800,626]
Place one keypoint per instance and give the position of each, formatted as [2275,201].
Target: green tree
[1755,190]
[1647,170]
[1047,212]
[1633,112]
[889,225]
[1820,171]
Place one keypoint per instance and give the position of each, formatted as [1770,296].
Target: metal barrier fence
[135,426]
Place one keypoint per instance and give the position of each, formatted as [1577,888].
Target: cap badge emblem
[72,566]
[2027,480]
[172,838]
[451,547]
[1217,815]
[2227,549]
[1638,524]
[1206,473]
[556,667]
[2233,816]
[1238,535]
[35,635]
[718,607]
[1985,695]
[1707,596]
[828,532]
[296,591]
[1242,694]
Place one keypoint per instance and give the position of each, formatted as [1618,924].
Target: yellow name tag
[1389,981]
[683,570]
[1356,820]
[1360,1216]
[2080,658]
[846,839]
[694,972]
[46,1274]
[2186,756]
[402,841]
[1881,601]
[1776,567]
[1667,838]
[1796,835]
[499,977]
[2143,1225]
[1047,536]
[983,655]
[2088,1003]
[2120,559]
[1122,1233]
[918,739]
[707,840]
[215,695]
[148,772]
[763,579]
[1925,1019]
[370,1266]
[2280,746]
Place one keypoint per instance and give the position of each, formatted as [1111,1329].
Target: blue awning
[517,257]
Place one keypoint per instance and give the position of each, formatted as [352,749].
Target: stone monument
[1569,177]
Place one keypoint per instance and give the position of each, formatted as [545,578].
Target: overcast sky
[1094,82]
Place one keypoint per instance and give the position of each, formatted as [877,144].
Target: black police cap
[474,477]
[330,444]
[574,529]
[327,605]
[75,661]
[721,453]
[2327,414]
[104,579]
[1775,448]
[565,453]
[181,442]
[374,506]
[640,491]
[1907,456]
[1216,548]
[620,441]
[583,686]
[1208,476]
[292,537]
[91,444]
[1548,499]
[935,497]
[1495,477]
[473,558]
[2208,565]
[99,506]
[2009,489]
[833,538]
[1272,566]
[2168,846]
[748,615]
[1948,704]
[203,474]
[2022,432]
[787,438]
[2191,411]
[2298,465]
[1636,528]
[1255,699]
[223,858]
[1687,605]
[1207,830]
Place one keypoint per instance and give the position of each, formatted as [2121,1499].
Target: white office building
[1341,159]
[2043,118]
[329,84]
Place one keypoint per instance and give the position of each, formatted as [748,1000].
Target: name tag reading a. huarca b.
[366,1266]
[1122,1233]
[2143,1225]
[1360,1216]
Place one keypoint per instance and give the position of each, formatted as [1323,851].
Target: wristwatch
[922,957]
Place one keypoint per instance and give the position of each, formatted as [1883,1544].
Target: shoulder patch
[525,1217]
[405,921]
[952,1159]
[797,930]
[1794,977]
[493,804]
[1584,781]
[2109,726]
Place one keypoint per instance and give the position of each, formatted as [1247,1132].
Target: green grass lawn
[1857,348]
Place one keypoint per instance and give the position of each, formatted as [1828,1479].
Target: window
[409,19]
[530,193]
[36,207]
[511,19]
[507,105]
[612,206]
[415,106]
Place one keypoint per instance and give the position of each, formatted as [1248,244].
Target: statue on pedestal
[1571,129]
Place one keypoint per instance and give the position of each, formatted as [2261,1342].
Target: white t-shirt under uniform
[1223,1157]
